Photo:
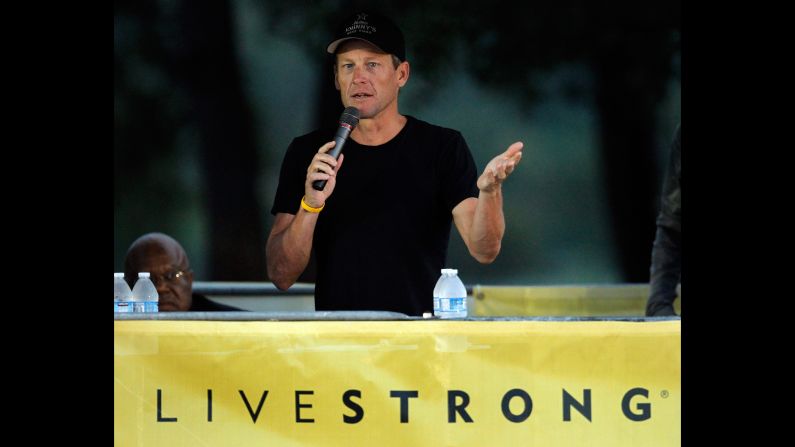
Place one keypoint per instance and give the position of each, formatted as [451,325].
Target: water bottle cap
[118,275]
[143,274]
[450,271]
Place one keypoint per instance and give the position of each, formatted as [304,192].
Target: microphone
[348,120]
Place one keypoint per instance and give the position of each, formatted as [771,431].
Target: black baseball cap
[373,28]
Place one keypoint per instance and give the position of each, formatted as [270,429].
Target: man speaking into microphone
[379,213]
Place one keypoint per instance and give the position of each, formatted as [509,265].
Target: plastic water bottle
[122,295]
[144,294]
[450,296]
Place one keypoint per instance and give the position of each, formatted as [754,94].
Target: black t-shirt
[381,240]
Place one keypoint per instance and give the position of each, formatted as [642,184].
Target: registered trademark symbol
[664,394]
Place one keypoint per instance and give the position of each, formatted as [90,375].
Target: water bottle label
[453,304]
[451,307]
[151,306]
[121,307]
[139,306]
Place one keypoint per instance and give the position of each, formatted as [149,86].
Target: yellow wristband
[310,209]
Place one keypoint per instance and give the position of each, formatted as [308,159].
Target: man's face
[367,79]
[172,278]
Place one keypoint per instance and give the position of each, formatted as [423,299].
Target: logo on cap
[360,25]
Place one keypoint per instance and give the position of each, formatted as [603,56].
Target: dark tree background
[178,83]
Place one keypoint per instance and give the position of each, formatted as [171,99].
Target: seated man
[166,261]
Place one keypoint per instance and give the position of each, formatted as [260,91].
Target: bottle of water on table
[144,294]
[122,295]
[450,296]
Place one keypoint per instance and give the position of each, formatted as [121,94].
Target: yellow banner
[542,301]
[397,383]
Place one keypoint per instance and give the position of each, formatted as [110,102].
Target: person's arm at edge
[666,256]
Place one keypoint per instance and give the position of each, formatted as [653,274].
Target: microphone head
[350,116]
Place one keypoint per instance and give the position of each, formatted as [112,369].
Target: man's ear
[403,73]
